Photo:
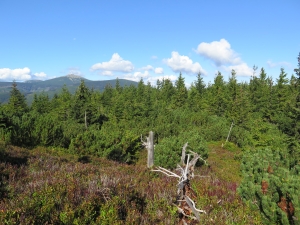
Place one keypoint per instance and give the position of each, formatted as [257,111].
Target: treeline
[265,113]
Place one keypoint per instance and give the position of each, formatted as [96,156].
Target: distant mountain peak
[73,76]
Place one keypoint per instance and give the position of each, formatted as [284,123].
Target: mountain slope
[52,86]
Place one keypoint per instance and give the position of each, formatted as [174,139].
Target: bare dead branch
[180,210]
[185,205]
[188,199]
[167,172]
[183,153]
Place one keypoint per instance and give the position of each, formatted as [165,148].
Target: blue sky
[102,40]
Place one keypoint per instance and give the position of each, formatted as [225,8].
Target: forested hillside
[53,86]
[265,113]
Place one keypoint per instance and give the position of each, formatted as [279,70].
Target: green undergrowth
[48,186]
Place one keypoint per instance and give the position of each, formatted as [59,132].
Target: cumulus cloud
[241,69]
[219,52]
[148,67]
[141,75]
[181,63]
[116,63]
[75,71]
[107,73]
[15,74]
[40,75]
[20,74]
[276,64]
[159,70]
[137,76]
[146,76]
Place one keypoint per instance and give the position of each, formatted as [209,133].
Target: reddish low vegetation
[43,186]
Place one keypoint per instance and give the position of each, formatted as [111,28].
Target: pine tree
[297,70]
[17,105]
[62,104]
[219,95]
[271,183]
[118,87]
[199,84]
[41,103]
[260,93]
[181,93]
[166,92]
[81,103]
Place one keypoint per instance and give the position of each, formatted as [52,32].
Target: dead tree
[228,134]
[150,148]
[188,213]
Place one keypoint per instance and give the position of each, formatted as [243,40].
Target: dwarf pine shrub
[272,185]
[168,151]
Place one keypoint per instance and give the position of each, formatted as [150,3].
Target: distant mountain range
[52,86]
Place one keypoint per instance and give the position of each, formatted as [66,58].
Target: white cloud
[107,73]
[139,74]
[219,51]
[170,77]
[154,79]
[159,70]
[40,75]
[148,78]
[136,76]
[116,63]
[223,56]
[154,57]
[75,71]
[241,70]
[148,67]
[276,64]
[15,74]
[181,63]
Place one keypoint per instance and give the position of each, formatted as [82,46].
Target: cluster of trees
[265,112]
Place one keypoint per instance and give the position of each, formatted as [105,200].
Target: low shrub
[168,151]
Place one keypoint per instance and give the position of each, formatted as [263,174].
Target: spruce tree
[17,105]
[166,92]
[41,103]
[219,95]
[181,93]
[297,70]
[81,103]
[199,84]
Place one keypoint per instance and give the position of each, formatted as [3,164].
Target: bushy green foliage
[215,128]
[168,151]
[271,184]
[119,145]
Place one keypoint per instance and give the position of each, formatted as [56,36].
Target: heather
[42,187]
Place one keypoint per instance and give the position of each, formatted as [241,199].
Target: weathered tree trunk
[150,148]
[185,203]
[229,132]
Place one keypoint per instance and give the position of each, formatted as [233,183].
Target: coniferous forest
[79,159]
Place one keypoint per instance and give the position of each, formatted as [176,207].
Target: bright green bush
[215,128]
[167,152]
[111,142]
